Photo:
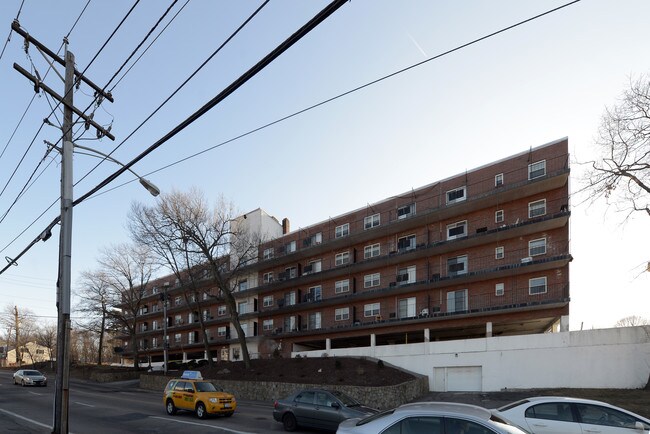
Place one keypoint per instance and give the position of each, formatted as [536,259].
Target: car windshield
[32,373]
[205,386]
[348,401]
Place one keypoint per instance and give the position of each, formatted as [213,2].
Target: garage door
[458,379]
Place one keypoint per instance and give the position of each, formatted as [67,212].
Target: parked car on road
[30,377]
[553,414]
[192,393]
[431,418]
[318,408]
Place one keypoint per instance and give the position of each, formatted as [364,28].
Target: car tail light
[275,404]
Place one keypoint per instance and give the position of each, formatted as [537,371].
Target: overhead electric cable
[295,37]
[9,37]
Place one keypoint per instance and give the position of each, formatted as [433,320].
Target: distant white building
[29,353]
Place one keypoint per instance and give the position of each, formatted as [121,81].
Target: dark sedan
[29,377]
[318,408]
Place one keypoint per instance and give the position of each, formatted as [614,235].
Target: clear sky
[547,79]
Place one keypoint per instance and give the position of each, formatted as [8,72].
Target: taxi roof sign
[192,375]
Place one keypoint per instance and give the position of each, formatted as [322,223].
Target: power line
[9,37]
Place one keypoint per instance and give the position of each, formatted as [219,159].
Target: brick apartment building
[483,253]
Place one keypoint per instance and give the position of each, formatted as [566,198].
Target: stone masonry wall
[377,397]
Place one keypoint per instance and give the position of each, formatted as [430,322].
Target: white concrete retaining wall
[605,358]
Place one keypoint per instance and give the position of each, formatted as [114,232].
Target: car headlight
[213,400]
[28,380]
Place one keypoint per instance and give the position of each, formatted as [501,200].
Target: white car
[431,418]
[553,414]
[30,377]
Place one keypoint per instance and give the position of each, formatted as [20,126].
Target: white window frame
[458,199]
[498,179]
[315,293]
[372,251]
[499,216]
[268,301]
[499,252]
[409,272]
[267,277]
[536,167]
[412,239]
[342,314]
[499,289]
[535,207]
[409,308]
[290,247]
[452,308]
[537,247]
[342,258]
[268,253]
[289,298]
[459,259]
[267,324]
[371,221]
[190,338]
[342,230]
[371,310]
[178,300]
[371,280]
[221,310]
[178,337]
[221,331]
[314,319]
[406,211]
[341,286]
[535,284]
[457,225]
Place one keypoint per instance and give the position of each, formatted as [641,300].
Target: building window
[499,289]
[457,265]
[290,298]
[406,308]
[406,275]
[371,221]
[342,314]
[313,240]
[498,179]
[154,325]
[537,285]
[342,286]
[154,342]
[406,243]
[499,216]
[456,195]
[537,208]
[267,301]
[221,310]
[221,331]
[290,324]
[267,277]
[269,253]
[206,314]
[314,294]
[178,300]
[457,230]
[371,309]
[242,307]
[178,319]
[457,301]
[342,230]
[537,247]
[370,280]
[342,258]
[312,267]
[406,211]
[314,321]
[371,251]
[177,338]
[537,169]
[289,273]
[267,324]
[499,252]
[190,337]
[290,247]
[243,285]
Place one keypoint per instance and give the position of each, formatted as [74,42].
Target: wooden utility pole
[19,357]
[72,77]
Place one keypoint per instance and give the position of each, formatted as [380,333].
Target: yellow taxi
[192,393]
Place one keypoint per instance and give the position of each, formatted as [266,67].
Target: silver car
[431,418]
[555,414]
[318,408]
[30,377]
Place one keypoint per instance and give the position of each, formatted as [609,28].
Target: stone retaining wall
[377,397]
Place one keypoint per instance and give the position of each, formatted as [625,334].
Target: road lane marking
[36,393]
[26,419]
[200,424]
[81,403]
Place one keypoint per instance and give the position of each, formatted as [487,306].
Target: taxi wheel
[201,413]
[289,422]
[170,407]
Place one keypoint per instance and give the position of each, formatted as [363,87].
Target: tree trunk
[101,340]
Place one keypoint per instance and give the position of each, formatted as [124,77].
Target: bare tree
[46,337]
[621,174]
[128,270]
[631,321]
[95,304]
[19,325]
[200,246]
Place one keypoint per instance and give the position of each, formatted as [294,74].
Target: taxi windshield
[204,386]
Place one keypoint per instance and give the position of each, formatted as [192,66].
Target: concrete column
[488,329]
[427,335]
[328,344]
[373,340]
[564,323]
[184,357]
[205,355]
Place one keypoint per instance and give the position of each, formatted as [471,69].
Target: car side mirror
[640,426]
[335,405]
